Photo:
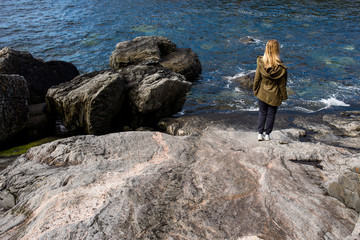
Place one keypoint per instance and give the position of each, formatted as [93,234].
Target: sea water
[320,42]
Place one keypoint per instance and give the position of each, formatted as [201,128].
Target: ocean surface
[320,42]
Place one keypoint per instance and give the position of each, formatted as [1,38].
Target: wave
[241,74]
[332,101]
[311,106]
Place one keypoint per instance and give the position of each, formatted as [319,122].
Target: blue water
[320,42]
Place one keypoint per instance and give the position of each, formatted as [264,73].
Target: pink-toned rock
[220,183]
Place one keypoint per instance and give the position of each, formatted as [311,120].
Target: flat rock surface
[217,182]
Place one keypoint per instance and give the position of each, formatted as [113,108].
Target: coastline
[248,119]
[245,120]
[214,171]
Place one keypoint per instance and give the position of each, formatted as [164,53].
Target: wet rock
[159,49]
[39,75]
[246,81]
[247,40]
[219,184]
[14,109]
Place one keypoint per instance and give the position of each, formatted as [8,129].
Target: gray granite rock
[247,40]
[102,102]
[154,92]
[348,122]
[90,103]
[220,183]
[246,81]
[346,188]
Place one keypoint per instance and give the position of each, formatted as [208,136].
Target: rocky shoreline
[148,80]
[196,177]
[211,181]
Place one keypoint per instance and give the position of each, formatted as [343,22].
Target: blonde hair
[272,53]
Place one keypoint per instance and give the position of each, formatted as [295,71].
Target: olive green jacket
[270,83]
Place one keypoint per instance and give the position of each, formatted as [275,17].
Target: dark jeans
[266,117]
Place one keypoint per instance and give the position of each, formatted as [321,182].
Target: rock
[144,129]
[41,123]
[154,92]
[7,200]
[102,102]
[14,110]
[247,40]
[246,81]
[219,184]
[140,49]
[183,61]
[348,122]
[159,49]
[39,75]
[139,92]
[356,233]
[6,161]
[90,103]
[347,188]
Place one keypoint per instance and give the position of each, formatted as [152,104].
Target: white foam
[332,101]
[349,47]
[241,74]
[257,41]
[302,109]
[181,113]
[237,89]
[252,109]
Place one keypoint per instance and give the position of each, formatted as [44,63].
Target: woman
[269,87]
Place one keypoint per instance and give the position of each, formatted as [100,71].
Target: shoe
[267,137]
[260,137]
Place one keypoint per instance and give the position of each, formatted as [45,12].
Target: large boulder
[39,75]
[140,49]
[90,103]
[135,96]
[183,61]
[14,110]
[219,184]
[154,92]
[161,49]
